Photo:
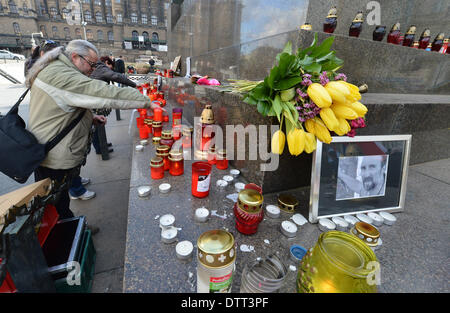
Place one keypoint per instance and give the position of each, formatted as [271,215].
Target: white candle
[144,191]
[221,183]
[228,178]
[169,235]
[388,218]
[299,219]
[351,219]
[377,219]
[326,224]
[144,142]
[235,173]
[184,249]
[139,148]
[164,188]
[341,224]
[273,211]
[167,220]
[288,228]
[364,218]
[201,215]
[239,187]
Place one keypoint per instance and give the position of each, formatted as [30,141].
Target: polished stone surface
[413,256]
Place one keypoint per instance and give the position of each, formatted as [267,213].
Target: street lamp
[33,42]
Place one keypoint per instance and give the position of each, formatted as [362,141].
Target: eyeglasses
[91,64]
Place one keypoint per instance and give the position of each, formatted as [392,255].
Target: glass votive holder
[157,168]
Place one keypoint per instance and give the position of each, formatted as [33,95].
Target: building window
[53,12]
[89,35]
[155,37]
[97,2]
[145,35]
[16,28]
[99,35]
[87,16]
[98,17]
[67,32]
[55,32]
[86,1]
[12,7]
[135,35]
[154,20]
[77,33]
[109,18]
[65,13]
[117,1]
[133,18]
[43,30]
[144,18]
[110,36]
[25,9]
[119,18]
[108,3]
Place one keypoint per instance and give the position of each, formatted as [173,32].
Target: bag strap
[15,108]
[52,143]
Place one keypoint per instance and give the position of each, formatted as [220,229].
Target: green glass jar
[339,262]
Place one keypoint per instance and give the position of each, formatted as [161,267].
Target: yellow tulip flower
[319,95]
[296,141]
[344,111]
[338,92]
[278,140]
[310,142]
[329,118]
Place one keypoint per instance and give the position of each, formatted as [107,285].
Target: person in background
[61,90]
[38,51]
[119,65]
[152,65]
[104,72]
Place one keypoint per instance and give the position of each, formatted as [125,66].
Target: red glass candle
[379,33]
[438,42]
[157,129]
[166,138]
[176,132]
[356,27]
[424,39]
[187,137]
[394,35]
[176,116]
[158,114]
[221,160]
[165,117]
[212,155]
[201,179]
[176,163]
[248,211]
[143,132]
[254,187]
[140,121]
[143,112]
[162,151]
[409,36]
[331,21]
[157,168]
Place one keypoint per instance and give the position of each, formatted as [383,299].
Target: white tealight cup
[299,219]
[184,249]
[341,224]
[235,173]
[239,187]
[364,218]
[351,219]
[221,184]
[139,148]
[144,191]
[377,219]
[167,220]
[164,188]
[272,211]
[144,142]
[326,224]
[169,235]
[201,215]
[388,218]
[228,178]
[289,229]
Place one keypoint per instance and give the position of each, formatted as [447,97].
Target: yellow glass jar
[338,263]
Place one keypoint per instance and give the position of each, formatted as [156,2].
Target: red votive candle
[212,155]
[176,132]
[221,160]
[158,114]
[157,128]
[165,117]
[162,151]
[177,114]
[166,138]
[176,163]
[201,179]
[248,211]
[187,137]
[140,121]
[143,132]
[157,168]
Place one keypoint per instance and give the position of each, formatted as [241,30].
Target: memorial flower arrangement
[305,92]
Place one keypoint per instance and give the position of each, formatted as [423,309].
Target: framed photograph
[359,175]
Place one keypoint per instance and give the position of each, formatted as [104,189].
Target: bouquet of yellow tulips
[305,92]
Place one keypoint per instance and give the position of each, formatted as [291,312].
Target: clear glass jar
[338,263]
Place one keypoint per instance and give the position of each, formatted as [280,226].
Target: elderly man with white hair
[61,90]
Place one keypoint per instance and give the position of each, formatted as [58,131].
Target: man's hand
[99,120]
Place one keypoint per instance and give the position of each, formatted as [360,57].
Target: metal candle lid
[144,142]
[201,155]
[207,116]
[163,149]
[299,219]
[216,248]
[250,201]
[351,219]
[364,218]
[332,12]
[156,162]
[156,124]
[289,229]
[272,211]
[166,134]
[156,140]
[184,249]
[396,26]
[176,155]
[139,148]
[187,131]
[169,235]
[287,203]
[306,26]
[440,36]
[222,153]
[411,30]
[144,191]
[341,224]
[148,121]
[164,188]
[366,232]
[388,218]
[377,219]
[166,220]
[359,17]
[326,224]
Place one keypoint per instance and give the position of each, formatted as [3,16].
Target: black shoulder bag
[20,152]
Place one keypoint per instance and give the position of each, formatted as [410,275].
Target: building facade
[131,28]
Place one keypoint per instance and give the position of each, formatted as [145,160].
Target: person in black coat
[119,65]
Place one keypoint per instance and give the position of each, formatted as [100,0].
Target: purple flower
[341,76]
[324,78]
[306,82]
[301,119]
[307,76]
[303,94]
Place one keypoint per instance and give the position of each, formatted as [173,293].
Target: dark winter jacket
[119,66]
[103,72]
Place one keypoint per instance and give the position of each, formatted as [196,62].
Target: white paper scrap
[214,213]
[267,241]
[233,197]
[292,268]
[245,248]
[156,217]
